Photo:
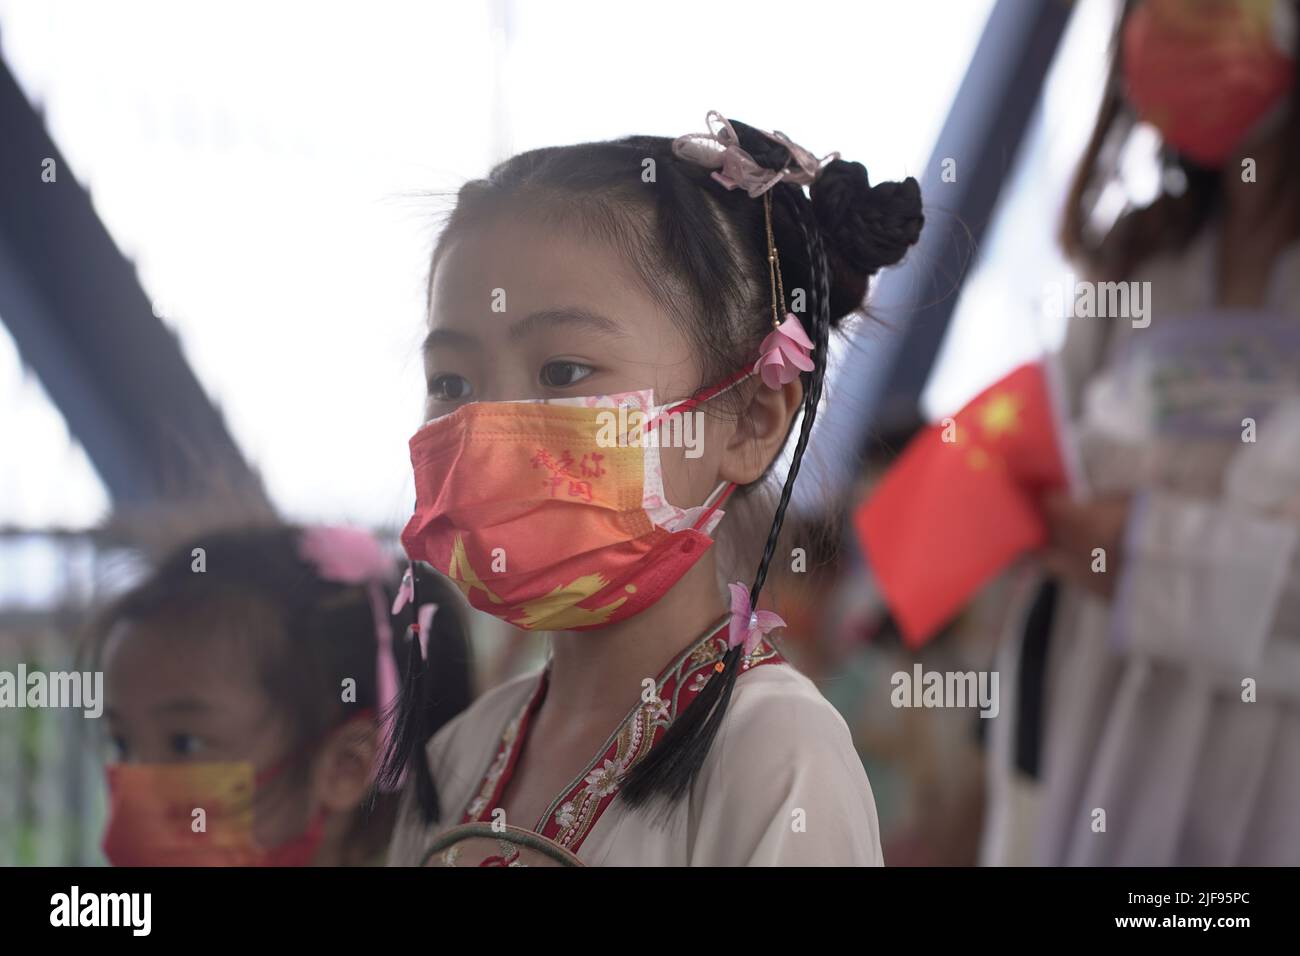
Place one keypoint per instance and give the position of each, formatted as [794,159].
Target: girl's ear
[345,768]
[762,424]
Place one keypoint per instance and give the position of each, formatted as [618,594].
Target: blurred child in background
[248,682]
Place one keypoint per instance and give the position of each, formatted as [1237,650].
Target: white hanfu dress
[1172,731]
[782,784]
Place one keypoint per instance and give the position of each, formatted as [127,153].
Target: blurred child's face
[176,695]
[521,310]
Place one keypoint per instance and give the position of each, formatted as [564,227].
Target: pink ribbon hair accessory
[424,621]
[406,592]
[352,556]
[784,353]
[748,626]
[719,150]
[344,555]
[423,617]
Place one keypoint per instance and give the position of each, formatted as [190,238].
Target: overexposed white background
[267,167]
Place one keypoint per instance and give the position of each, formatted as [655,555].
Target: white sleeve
[1203,579]
[409,833]
[783,784]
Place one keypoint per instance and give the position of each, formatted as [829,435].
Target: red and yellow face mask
[552,514]
[155,819]
[1205,72]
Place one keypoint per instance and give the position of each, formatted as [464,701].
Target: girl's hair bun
[867,227]
[764,150]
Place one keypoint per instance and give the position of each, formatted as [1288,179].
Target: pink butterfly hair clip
[719,150]
[748,626]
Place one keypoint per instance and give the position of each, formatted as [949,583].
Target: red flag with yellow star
[961,502]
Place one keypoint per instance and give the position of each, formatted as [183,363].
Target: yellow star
[463,575]
[1001,413]
[559,611]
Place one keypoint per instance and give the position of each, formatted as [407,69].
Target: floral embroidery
[565,815]
[657,709]
[572,815]
[491,780]
[705,653]
[604,781]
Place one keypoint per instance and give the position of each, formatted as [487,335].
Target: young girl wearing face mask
[247,680]
[623,338]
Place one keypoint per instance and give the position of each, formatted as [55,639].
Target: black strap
[1032,683]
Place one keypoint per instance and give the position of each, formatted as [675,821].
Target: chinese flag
[960,504]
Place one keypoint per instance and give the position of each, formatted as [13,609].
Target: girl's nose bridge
[506,378]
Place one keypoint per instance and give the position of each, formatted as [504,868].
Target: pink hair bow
[345,555]
[353,556]
[784,353]
[719,150]
[423,617]
[747,625]
[406,591]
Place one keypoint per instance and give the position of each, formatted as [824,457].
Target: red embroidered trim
[570,817]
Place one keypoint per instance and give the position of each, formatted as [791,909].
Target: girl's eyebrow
[448,338]
[572,316]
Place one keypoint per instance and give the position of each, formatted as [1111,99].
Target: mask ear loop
[686,404]
[721,493]
[718,497]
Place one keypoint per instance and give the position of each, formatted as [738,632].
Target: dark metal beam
[879,386]
[84,325]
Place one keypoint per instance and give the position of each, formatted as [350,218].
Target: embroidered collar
[571,816]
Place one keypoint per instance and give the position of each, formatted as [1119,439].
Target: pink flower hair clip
[785,352]
[748,626]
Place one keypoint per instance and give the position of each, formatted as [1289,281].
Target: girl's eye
[564,374]
[185,745]
[449,388]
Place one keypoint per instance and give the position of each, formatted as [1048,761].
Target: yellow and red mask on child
[194,814]
[551,514]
